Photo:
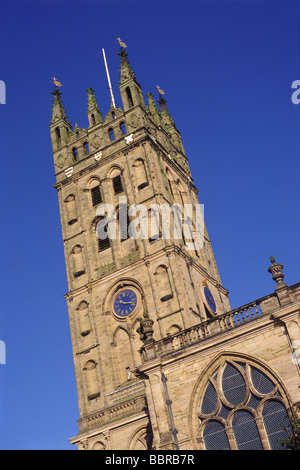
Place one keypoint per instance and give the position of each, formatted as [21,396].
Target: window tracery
[242,408]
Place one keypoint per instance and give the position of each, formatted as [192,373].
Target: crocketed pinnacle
[58,110]
[126,71]
[166,116]
[92,103]
[152,108]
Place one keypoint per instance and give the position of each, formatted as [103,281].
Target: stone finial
[146,329]
[276,270]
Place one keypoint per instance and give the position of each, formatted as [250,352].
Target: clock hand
[126,303]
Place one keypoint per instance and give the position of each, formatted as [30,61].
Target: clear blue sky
[226,68]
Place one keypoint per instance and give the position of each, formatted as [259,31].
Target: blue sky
[226,68]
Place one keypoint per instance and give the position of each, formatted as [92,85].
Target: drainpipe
[294,355]
[169,403]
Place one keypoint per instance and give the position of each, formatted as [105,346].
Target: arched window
[90,369]
[95,192]
[102,234]
[84,319]
[189,235]
[75,154]
[86,148]
[123,128]
[237,396]
[140,174]
[123,221]
[57,133]
[273,413]
[162,282]
[71,209]
[77,261]
[117,184]
[96,195]
[245,431]
[93,119]
[154,224]
[122,354]
[214,436]
[111,134]
[129,97]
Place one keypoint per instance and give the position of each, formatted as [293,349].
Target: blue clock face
[125,303]
[210,300]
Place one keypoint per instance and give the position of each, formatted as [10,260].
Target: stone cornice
[115,155]
[145,260]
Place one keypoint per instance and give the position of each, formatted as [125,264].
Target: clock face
[125,303]
[210,300]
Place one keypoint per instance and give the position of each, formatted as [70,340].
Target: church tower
[147,308]
[126,290]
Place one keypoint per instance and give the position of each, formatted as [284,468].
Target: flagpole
[108,79]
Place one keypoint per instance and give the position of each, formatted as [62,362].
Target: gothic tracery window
[242,408]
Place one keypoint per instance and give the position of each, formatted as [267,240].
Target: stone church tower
[161,360]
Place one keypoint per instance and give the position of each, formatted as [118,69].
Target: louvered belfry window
[237,396]
[96,195]
[103,244]
[102,235]
[123,221]
[117,184]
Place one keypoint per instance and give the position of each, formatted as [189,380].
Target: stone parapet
[250,312]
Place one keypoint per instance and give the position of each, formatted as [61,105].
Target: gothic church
[161,361]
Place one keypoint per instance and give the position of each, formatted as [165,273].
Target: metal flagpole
[108,78]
